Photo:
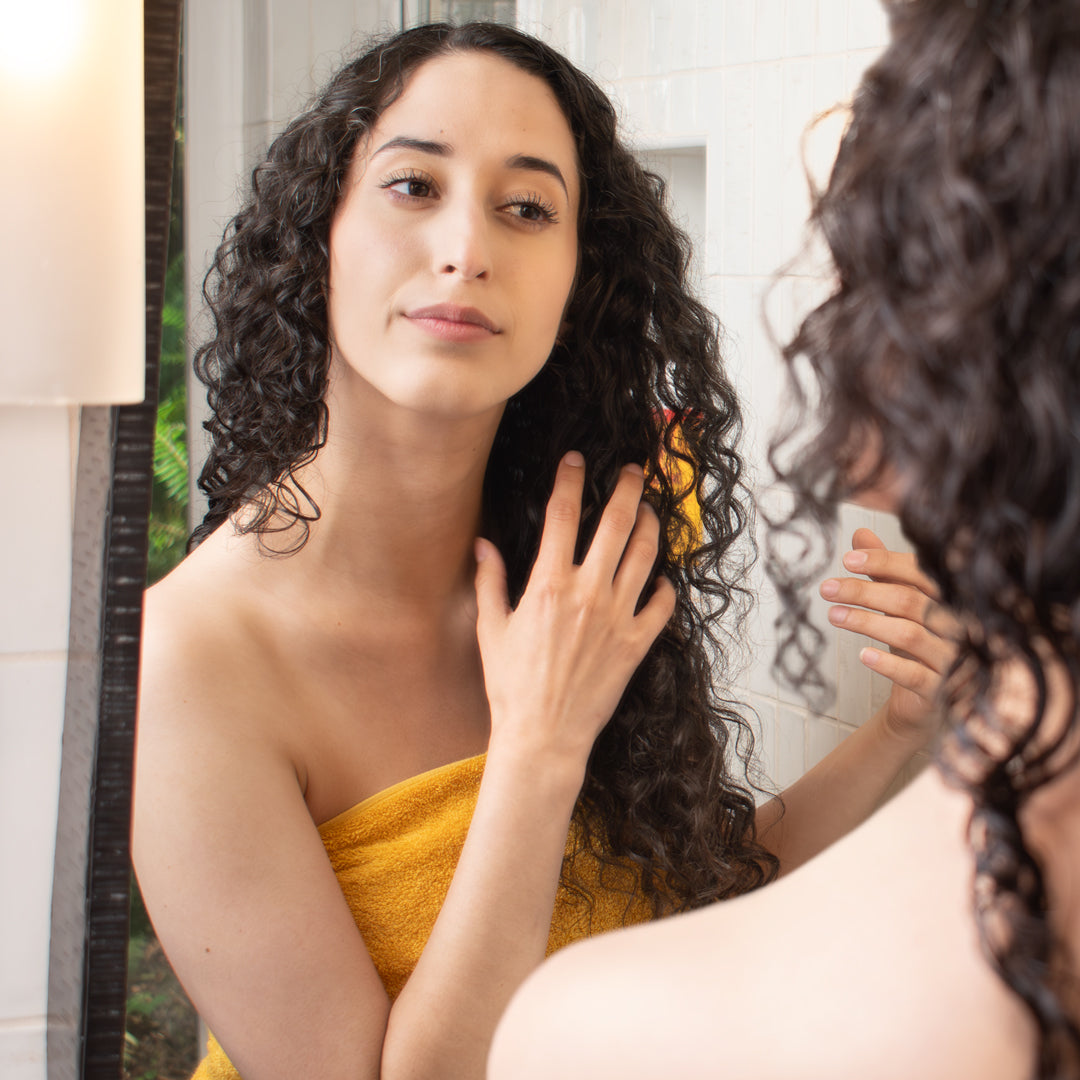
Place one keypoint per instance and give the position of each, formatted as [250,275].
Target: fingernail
[634,468]
[838,616]
[855,560]
[830,588]
[870,657]
[574,458]
[480,548]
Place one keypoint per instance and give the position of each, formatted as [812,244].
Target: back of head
[951,345]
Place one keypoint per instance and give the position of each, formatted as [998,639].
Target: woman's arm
[237,880]
[898,607]
[555,668]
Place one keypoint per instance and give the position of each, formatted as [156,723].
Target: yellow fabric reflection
[684,539]
[395,854]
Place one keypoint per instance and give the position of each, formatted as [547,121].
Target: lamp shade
[72,247]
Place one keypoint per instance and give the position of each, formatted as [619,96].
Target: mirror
[715,94]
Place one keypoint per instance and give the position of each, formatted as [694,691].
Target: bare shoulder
[230,863]
[208,682]
[196,641]
[198,719]
[863,962]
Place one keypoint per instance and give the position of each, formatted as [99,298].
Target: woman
[449,282]
[942,938]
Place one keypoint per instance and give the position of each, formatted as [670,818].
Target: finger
[616,524]
[901,634]
[903,601]
[900,600]
[639,558]
[902,671]
[897,567]
[562,519]
[864,538]
[656,613]
[492,602]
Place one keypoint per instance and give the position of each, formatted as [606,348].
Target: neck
[400,497]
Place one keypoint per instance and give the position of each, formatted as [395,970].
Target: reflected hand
[556,666]
[899,607]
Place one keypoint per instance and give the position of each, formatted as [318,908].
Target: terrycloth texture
[395,855]
[684,539]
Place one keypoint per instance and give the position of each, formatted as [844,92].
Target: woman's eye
[415,189]
[533,211]
[412,187]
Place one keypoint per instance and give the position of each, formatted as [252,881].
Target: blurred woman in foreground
[941,938]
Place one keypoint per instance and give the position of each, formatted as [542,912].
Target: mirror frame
[92,873]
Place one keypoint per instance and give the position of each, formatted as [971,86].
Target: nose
[462,245]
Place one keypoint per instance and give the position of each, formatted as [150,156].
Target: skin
[425,196]
[896,605]
[843,969]
[271,695]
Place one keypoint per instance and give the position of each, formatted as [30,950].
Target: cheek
[559,284]
[365,268]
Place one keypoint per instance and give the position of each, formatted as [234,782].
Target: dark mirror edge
[88,944]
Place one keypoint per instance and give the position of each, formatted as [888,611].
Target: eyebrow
[526,162]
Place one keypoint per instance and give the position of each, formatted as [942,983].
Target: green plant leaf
[171,460]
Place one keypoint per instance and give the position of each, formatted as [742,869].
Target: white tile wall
[22,1049]
[762,72]
[32,706]
[35,585]
[35,572]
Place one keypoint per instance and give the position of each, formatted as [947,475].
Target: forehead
[479,103]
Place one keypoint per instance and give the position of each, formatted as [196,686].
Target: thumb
[491,598]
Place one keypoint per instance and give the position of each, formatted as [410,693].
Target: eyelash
[530,200]
[533,201]
[408,176]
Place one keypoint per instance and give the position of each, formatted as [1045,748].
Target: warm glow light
[39,39]
[72,245]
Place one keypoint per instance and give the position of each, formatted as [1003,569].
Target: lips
[453,314]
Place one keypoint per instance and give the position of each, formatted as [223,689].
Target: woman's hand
[899,607]
[556,666]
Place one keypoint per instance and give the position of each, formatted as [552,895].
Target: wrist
[558,772]
[907,737]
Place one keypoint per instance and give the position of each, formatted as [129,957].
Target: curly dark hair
[635,376]
[950,347]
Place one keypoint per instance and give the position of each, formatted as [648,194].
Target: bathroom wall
[719,94]
[38,445]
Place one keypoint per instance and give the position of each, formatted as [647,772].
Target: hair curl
[635,376]
[950,345]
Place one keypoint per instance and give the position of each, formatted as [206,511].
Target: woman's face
[454,249]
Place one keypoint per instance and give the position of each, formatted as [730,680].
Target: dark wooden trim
[108,875]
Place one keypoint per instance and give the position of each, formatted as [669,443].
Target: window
[462,11]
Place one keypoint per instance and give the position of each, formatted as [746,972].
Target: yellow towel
[684,540]
[395,855]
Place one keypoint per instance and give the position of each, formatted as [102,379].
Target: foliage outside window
[462,11]
[161,1030]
